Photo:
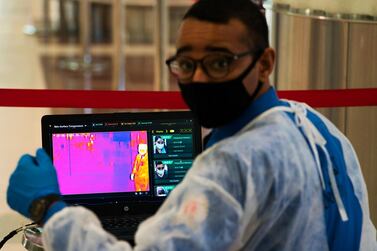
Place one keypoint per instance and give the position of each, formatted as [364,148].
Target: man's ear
[266,64]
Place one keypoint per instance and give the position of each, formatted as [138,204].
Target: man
[161,170]
[276,175]
[140,174]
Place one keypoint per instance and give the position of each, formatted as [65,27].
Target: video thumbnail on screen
[163,191]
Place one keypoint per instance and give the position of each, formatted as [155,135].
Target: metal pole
[162,44]
[46,20]
[85,32]
[85,43]
[119,79]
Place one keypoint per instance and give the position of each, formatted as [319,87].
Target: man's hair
[222,11]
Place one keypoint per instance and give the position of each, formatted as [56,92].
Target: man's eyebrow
[184,49]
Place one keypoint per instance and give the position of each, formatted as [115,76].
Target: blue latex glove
[33,178]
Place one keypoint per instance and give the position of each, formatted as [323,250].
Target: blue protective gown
[261,184]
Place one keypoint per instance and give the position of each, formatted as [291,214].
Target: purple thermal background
[97,162]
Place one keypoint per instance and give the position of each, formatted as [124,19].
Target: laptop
[122,166]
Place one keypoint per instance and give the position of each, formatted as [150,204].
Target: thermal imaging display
[117,157]
[101,162]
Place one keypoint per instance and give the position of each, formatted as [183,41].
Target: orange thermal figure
[140,173]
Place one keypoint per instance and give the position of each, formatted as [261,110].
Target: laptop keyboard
[129,222]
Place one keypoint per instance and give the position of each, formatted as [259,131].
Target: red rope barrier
[334,98]
[167,100]
[91,99]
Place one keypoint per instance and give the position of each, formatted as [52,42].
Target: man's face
[143,148]
[160,170]
[160,167]
[197,39]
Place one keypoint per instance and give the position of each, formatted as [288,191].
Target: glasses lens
[217,66]
[182,67]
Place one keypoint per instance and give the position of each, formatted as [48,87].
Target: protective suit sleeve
[78,229]
[204,212]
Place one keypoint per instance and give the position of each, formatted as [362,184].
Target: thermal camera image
[98,162]
[140,172]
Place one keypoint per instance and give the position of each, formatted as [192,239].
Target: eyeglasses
[216,66]
[160,141]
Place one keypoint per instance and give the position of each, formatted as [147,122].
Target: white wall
[336,6]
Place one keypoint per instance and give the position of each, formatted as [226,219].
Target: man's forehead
[200,35]
[220,47]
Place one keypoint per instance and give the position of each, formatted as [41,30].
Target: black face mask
[216,104]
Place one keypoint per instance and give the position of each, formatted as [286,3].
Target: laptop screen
[121,156]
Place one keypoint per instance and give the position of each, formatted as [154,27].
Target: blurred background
[76,44]
[122,45]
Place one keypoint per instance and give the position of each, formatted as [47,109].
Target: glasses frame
[196,62]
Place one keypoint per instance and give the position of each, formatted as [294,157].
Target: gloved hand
[33,178]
